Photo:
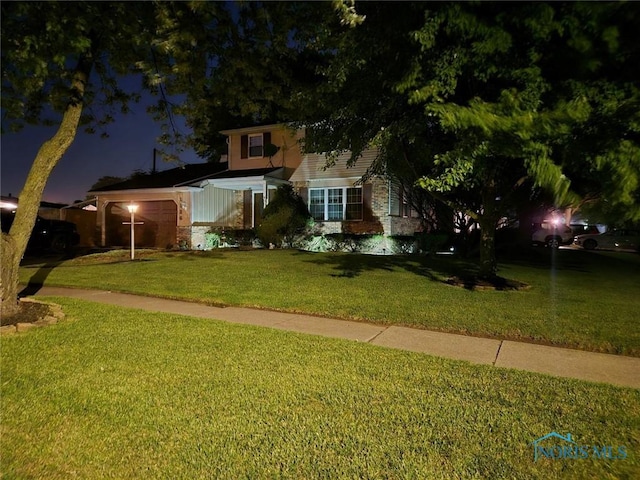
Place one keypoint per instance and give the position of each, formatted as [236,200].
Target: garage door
[159,229]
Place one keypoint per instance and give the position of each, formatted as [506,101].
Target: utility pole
[153,170]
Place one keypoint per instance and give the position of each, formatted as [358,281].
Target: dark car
[47,235]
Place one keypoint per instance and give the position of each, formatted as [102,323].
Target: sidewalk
[561,362]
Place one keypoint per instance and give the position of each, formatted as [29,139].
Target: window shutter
[244,146]
[367,208]
[266,139]
[395,199]
[304,195]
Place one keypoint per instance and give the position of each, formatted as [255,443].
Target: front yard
[585,300]
[118,393]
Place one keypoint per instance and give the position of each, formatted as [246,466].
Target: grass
[585,300]
[120,393]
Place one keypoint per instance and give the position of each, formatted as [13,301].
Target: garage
[157,230]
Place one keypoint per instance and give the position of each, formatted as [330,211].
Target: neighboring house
[179,206]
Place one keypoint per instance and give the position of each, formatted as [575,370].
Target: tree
[61,63]
[106,181]
[483,100]
[49,53]
[260,73]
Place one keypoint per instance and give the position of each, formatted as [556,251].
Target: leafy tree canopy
[482,99]
[62,63]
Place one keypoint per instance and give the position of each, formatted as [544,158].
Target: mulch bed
[481,283]
[30,312]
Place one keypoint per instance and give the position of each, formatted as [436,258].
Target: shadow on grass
[37,279]
[352,265]
[463,272]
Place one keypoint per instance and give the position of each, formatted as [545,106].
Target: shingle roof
[168,178]
[256,172]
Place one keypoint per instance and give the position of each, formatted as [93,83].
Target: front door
[253,208]
[258,208]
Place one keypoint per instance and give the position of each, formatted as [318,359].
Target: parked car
[622,239]
[552,235]
[580,229]
[47,235]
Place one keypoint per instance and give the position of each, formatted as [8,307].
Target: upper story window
[252,145]
[255,145]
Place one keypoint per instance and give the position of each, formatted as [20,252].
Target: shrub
[211,240]
[284,217]
[431,242]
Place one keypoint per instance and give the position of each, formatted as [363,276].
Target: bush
[285,216]
[431,242]
[211,240]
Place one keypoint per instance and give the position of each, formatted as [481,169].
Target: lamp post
[132,207]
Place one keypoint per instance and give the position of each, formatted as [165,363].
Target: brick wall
[184,237]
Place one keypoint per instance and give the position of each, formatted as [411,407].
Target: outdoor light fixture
[133,208]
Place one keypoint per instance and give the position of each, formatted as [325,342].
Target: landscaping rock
[48,320]
[32,314]
[7,329]
[23,327]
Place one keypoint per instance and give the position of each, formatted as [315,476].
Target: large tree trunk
[8,276]
[488,261]
[47,158]
[488,222]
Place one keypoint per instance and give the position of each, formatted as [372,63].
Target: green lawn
[118,393]
[586,300]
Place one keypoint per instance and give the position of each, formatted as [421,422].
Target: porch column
[265,193]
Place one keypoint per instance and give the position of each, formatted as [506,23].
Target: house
[180,205]
[340,201]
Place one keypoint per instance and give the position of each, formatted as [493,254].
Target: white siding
[214,205]
[312,165]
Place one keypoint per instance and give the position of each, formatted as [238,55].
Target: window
[316,204]
[335,204]
[252,145]
[354,204]
[255,145]
[406,209]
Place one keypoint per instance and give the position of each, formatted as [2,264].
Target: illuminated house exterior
[180,205]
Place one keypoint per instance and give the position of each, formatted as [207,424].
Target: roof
[250,179]
[168,178]
[256,172]
[254,129]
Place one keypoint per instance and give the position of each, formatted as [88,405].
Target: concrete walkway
[562,362]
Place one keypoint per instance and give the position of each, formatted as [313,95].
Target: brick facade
[381,222]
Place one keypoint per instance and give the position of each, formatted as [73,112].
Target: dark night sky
[129,147]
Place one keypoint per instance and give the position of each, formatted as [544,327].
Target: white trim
[244,183]
[344,203]
[256,129]
[103,193]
